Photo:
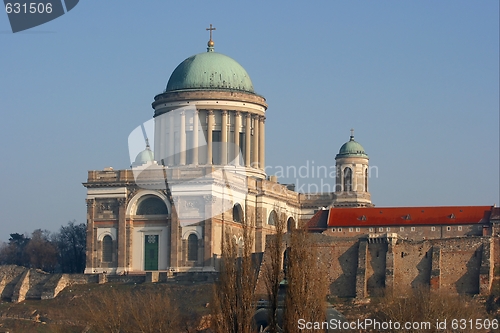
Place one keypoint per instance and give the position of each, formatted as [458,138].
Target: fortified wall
[364,267]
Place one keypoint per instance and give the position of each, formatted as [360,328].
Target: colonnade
[218,137]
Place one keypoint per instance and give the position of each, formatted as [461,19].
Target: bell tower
[351,183]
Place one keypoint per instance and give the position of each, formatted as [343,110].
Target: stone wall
[369,266]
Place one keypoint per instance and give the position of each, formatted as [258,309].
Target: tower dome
[210,70]
[144,157]
[351,148]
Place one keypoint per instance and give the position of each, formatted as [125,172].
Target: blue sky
[417,80]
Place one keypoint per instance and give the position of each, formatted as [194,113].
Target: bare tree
[273,271]
[233,301]
[306,282]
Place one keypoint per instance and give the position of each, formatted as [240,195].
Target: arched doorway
[148,207]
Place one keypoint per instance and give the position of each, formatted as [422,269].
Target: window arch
[107,249]
[290,224]
[152,206]
[193,247]
[273,218]
[347,180]
[237,213]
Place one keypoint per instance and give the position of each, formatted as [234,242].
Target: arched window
[237,213]
[273,218]
[152,206]
[347,180]
[366,180]
[107,249]
[193,247]
[290,224]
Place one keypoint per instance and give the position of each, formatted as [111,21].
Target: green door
[151,253]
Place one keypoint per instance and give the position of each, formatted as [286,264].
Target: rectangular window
[401,228]
[459,228]
[350,229]
[189,147]
[381,229]
[412,228]
[433,228]
[371,229]
[216,147]
[388,229]
[242,147]
[357,230]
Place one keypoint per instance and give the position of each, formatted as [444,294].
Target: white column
[255,157]
[237,149]
[248,129]
[196,120]
[182,139]
[171,140]
[210,124]
[223,128]
[157,140]
[262,140]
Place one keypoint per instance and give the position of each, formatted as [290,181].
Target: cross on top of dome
[210,42]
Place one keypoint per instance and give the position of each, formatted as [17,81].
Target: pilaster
[90,246]
[122,235]
[175,251]
[209,231]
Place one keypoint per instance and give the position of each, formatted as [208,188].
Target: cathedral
[202,177]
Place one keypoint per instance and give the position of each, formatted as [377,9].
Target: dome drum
[186,97]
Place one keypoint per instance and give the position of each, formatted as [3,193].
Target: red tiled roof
[317,223]
[377,216]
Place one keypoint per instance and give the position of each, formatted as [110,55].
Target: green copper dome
[351,149]
[144,157]
[210,70]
